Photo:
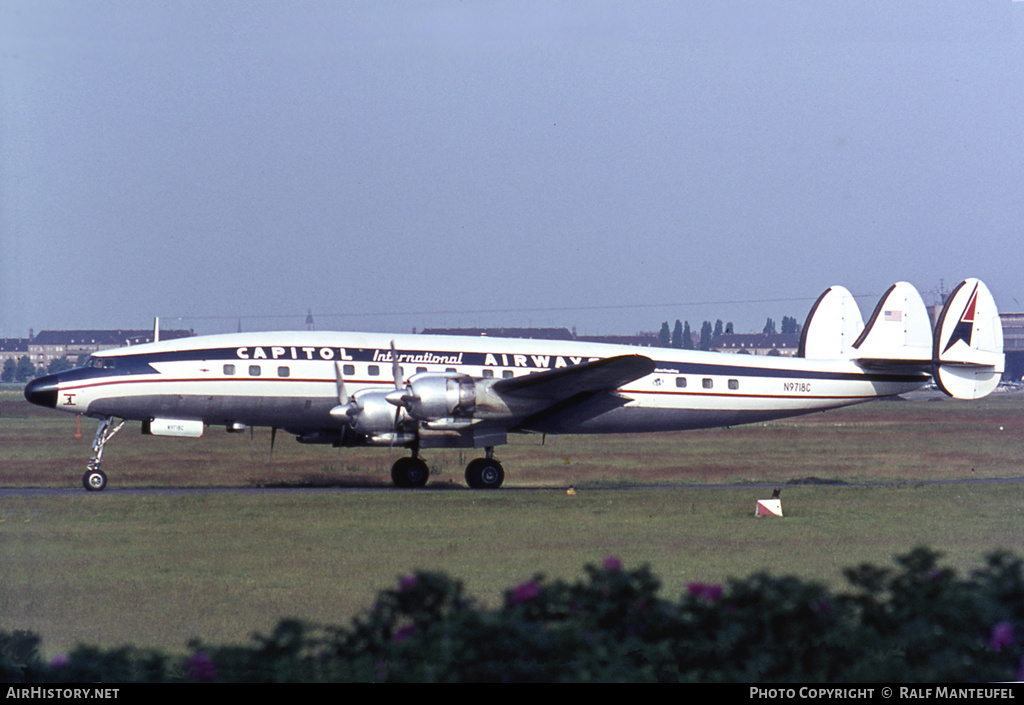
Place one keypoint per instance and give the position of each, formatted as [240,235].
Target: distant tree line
[23,370]
[681,337]
[789,326]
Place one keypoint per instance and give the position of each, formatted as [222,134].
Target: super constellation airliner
[418,391]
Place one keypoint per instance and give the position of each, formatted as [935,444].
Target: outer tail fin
[832,326]
[899,331]
[968,349]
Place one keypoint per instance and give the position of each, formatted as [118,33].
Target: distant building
[1013,345]
[52,345]
[785,344]
[530,333]
[642,339]
[12,349]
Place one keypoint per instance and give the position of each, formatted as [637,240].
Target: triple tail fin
[968,348]
[964,352]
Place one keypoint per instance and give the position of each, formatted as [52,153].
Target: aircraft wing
[555,386]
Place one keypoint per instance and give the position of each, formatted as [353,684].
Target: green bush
[915,622]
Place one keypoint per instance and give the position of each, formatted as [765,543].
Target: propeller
[349,407]
[396,369]
[401,396]
[346,408]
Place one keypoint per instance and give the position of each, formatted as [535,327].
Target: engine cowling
[438,401]
[373,412]
[433,396]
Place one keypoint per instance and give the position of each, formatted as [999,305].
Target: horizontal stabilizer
[968,345]
[899,331]
[832,326]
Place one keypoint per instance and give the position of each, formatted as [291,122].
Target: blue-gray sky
[604,165]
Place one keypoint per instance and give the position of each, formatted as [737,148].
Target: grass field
[156,569]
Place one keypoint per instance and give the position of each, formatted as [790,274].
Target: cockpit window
[101,363]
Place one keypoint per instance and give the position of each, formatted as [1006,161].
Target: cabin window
[707,383]
[374,370]
[734,384]
[681,382]
[254,370]
[508,374]
[229,369]
[421,369]
[284,372]
[488,373]
[349,369]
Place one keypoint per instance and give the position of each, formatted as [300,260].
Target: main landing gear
[485,473]
[95,479]
[481,474]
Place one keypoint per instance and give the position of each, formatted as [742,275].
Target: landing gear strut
[95,479]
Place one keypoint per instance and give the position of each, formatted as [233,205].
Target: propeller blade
[340,381]
[396,368]
[343,411]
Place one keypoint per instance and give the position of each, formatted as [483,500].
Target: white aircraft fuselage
[287,380]
[420,391]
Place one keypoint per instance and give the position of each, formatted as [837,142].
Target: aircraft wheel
[94,480]
[485,474]
[409,472]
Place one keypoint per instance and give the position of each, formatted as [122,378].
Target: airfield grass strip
[157,570]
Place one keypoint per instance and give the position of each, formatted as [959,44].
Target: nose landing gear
[95,479]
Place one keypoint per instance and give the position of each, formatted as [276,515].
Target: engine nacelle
[375,413]
[433,396]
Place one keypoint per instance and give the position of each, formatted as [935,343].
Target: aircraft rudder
[968,343]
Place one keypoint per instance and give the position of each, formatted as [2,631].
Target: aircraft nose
[43,391]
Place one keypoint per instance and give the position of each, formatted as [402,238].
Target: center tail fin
[899,331]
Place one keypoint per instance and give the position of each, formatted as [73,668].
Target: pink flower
[405,632]
[709,592]
[407,583]
[524,592]
[1002,635]
[612,563]
[200,668]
